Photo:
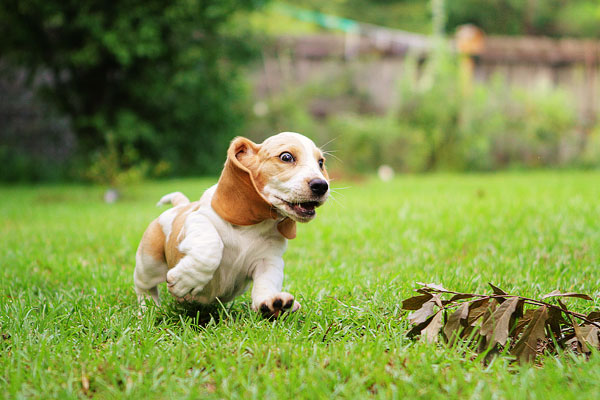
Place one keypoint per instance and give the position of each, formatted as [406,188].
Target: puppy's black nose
[318,186]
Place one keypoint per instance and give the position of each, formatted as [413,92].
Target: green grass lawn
[68,313]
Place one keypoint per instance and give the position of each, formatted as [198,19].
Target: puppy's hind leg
[148,273]
[143,294]
[150,265]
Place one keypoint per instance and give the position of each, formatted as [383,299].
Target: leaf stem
[504,296]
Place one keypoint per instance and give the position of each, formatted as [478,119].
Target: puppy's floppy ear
[237,199]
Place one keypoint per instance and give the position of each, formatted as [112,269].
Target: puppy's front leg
[203,249]
[267,296]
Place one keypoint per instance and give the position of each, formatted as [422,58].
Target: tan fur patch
[271,166]
[153,241]
[237,199]
[287,228]
[172,253]
[249,166]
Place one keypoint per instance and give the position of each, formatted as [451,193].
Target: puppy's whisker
[333,197]
[336,192]
[336,200]
[333,155]
[335,138]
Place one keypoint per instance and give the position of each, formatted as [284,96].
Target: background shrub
[590,156]
[160,77]
[439,122]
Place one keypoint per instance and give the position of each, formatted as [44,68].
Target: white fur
[295,189]
[176,198]
[147,275]
[203,250]
[220,259]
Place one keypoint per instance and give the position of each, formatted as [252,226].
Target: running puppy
[210,249]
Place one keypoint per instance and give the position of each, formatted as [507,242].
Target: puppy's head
[285,174]
[289,171]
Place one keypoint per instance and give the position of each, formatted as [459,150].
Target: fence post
[470,42]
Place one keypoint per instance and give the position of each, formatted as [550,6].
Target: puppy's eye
[286,157]
[321,162]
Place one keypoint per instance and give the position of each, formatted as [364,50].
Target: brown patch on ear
[287,228]
[237,199]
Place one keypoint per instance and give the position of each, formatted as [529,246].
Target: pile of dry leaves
[491,322]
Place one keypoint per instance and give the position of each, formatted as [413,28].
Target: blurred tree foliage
[529,17]
[411,15]
[579,18]
[159,77]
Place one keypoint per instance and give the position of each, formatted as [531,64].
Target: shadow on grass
[196,314]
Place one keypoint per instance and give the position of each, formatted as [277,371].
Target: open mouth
[306,209]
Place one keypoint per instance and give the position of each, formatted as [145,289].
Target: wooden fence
[376,61]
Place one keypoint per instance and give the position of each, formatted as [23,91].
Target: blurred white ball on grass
[385,173]
[260,109]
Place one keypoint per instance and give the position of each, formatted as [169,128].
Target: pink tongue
[304,209]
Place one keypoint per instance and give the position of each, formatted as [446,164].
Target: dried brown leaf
[416,302]
[526,348]
[454,322]
[438,301]
[518,311]
[433,286]
[416,330]
[517,315]
[555,320]
[572,344]
[563,306]
[588,337]
[85,382]
[432,330]
[576,328]
[496,327]
[421,315]
[461,296]
[484,320]
[557,293]
[552,293]
[477,309]
[580,338]
[489,311]
[498,291]
[594,316]
[522,323]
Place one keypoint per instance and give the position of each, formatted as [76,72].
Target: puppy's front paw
[276,304]
[180,284]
